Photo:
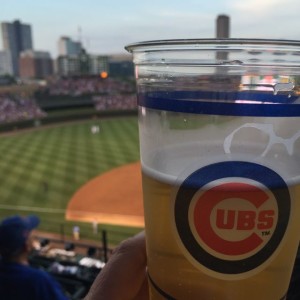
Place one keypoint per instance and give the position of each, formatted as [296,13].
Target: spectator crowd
[15,108]
[115,102]
[106,94]
[93,85]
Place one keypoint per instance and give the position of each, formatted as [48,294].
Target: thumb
[124,276]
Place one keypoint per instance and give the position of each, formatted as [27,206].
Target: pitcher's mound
[114,198]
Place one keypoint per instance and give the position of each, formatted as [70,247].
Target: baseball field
[51,170]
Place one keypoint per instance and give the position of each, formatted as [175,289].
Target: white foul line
[31,208]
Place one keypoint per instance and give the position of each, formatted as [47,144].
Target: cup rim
[169,44]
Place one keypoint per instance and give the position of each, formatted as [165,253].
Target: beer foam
[174,164]
[166,178]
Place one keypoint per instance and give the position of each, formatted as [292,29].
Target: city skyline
[105,28]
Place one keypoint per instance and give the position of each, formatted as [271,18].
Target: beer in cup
[219,126]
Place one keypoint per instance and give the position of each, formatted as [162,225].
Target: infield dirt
[114,197]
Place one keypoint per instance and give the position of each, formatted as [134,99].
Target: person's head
[15,235]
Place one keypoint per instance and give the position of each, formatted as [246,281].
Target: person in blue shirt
[18,280]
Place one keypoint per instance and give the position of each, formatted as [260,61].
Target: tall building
[223,27]
[120,66]
[80,65]
[98,64]
[16,38]
[5,63]
[67,46]
[222,32]
[35,64]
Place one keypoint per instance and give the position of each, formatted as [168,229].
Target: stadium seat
[44,242]
[69,246]
[91,251]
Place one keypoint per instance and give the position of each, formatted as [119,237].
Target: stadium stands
[65,93]
[17,108]
[74,270]
[90,86]
[103,94]
[73,264]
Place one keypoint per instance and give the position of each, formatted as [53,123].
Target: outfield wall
[64,115]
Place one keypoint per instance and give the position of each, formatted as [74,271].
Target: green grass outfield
[41,169]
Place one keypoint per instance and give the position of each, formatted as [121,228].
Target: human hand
[124,276]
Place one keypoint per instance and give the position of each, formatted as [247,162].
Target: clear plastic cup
[219,125]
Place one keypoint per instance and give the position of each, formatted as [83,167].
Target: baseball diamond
[44,171]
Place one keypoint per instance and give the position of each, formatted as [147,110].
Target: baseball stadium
[70,155]
[72,159]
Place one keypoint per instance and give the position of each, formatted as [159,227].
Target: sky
[105,26]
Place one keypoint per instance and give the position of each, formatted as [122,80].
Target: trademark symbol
[265,233]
